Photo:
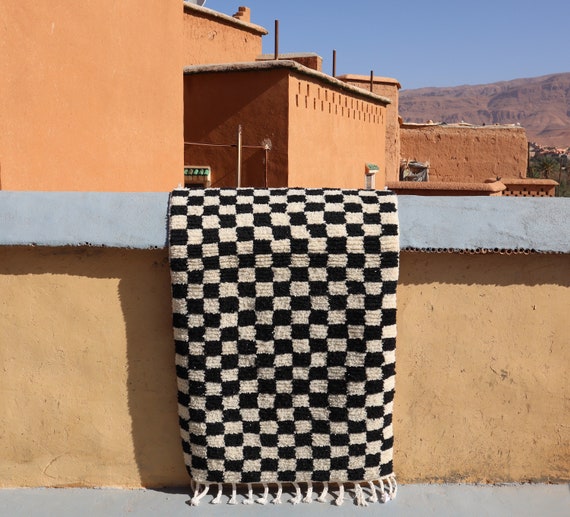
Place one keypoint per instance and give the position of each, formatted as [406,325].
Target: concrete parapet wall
[138,220]
[88,384]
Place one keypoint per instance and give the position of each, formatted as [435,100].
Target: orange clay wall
[215,104]
[91,95]
[211,38]
[332,135]
[389,88]
[467,154]
[88,384]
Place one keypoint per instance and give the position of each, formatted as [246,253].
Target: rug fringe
[323,497]
[249,499]
[382,489]
[233,499]
[298,495]
[277,499]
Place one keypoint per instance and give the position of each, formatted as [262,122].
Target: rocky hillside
[540,104]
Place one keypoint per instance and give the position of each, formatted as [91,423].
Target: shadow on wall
[146,302]
[82,333]
[485,269]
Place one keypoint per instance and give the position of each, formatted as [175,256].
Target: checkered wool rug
[284,304]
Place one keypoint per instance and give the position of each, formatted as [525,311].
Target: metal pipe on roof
[372,80]
[334,63]
[276,39]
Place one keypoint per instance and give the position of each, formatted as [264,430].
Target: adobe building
[390,88]
[213,37]
[91,93]
[300,127]
[466,153]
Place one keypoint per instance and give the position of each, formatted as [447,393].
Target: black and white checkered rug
[284,304]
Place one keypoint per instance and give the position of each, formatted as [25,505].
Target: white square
[286,440]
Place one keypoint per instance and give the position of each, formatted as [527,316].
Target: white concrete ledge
[416,500]
[139,220]
[119,220]
[489,223]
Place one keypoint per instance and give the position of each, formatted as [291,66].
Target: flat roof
[455,125]
[452,186]
[289,55]
[224,18]
[276,64]
[366,78]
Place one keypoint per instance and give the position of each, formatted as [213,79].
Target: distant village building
[466,159]
[467,153]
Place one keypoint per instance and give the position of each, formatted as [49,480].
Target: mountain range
[540,104]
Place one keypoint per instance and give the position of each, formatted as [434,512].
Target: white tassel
[196,488]
[218,498]
[391,489]
[249,499]
[195,501]
[374,496]
[309,497]
[323,497]
[298,495]
[277,499]
[359,495]
[395,491]
[340,498]
[383,496]
[233,499]
[265,498]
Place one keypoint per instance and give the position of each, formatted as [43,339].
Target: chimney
[243,14]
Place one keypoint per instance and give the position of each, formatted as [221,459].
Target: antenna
[197,2]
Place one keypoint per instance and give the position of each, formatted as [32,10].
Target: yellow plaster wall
[88,391]
[483,356]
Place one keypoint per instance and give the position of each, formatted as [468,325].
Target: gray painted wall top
[139,220]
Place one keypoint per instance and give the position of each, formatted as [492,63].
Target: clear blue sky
[421,43]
